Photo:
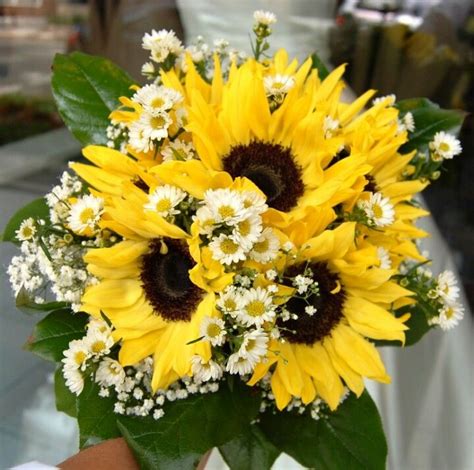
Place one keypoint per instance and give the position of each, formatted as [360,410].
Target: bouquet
[221,269]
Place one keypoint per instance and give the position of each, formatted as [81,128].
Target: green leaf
[26,304]
[351,438]
[249,450]
[429,119]
[53,333]
[86,90]
[323,71]
[95,416]
[65,399]
[190,427]
[37,209]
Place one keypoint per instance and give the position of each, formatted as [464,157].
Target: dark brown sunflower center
[272,168]
[328,303]
[165,278]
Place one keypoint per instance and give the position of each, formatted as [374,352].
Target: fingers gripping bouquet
[226,263]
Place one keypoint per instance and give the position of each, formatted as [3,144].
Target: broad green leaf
[26,304]
[190,427]
[86,89]
[429,119]
[323,71]
[95,416]
[65,399]
[53,333]
[351,438]
[36,209]
[249,450]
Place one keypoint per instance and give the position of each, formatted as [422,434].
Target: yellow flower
[283,151]
[321,350]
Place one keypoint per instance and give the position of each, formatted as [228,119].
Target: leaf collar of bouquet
[238,245]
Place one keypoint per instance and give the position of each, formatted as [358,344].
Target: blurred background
[408,47]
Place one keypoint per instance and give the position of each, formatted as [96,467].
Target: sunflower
[321,351]
[146,287]
[283,148]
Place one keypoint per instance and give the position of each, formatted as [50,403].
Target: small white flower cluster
[251,317]
[265,18]
[232,224]
[50,259]
[162,111]
[378,210]
[406,123]
[132,388]
[277,87]
[92,347]
[117,136]
[446,291]
[444,146]
[163,46]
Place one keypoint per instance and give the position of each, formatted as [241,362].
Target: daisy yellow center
[163,205]
[251,344]
[256,308]
[213,330]
[230,305]
[226,211]
[80,357]
[27,232]
[378,211]
[261,247]
[228,247]
[278,85]
[157,102]
[98,346]
[244,228]
[449,312]
[444,146]
[86,216]
[157,122]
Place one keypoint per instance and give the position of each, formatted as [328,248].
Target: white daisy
[213,330]
[257,307]
[157,99]
[266,248]
[138,139]
[278,85]
[100,325]
[445,146]
[378,209]
[254,201]
[99,342]
[236,364]
[264,17]
[161,44]
[254,346]
[109,373]
[205,219]
[226,206]
[85,214]
[164,200]
[148,69]
[329,126]
[178,150]
[409,122]
[27,230]
[230,302]
[447,287]
[384,257]
[204,371]
[226,250]
[450,316]
[154,126]
[74,380]
[76,355]
[389,100]
[248,231]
